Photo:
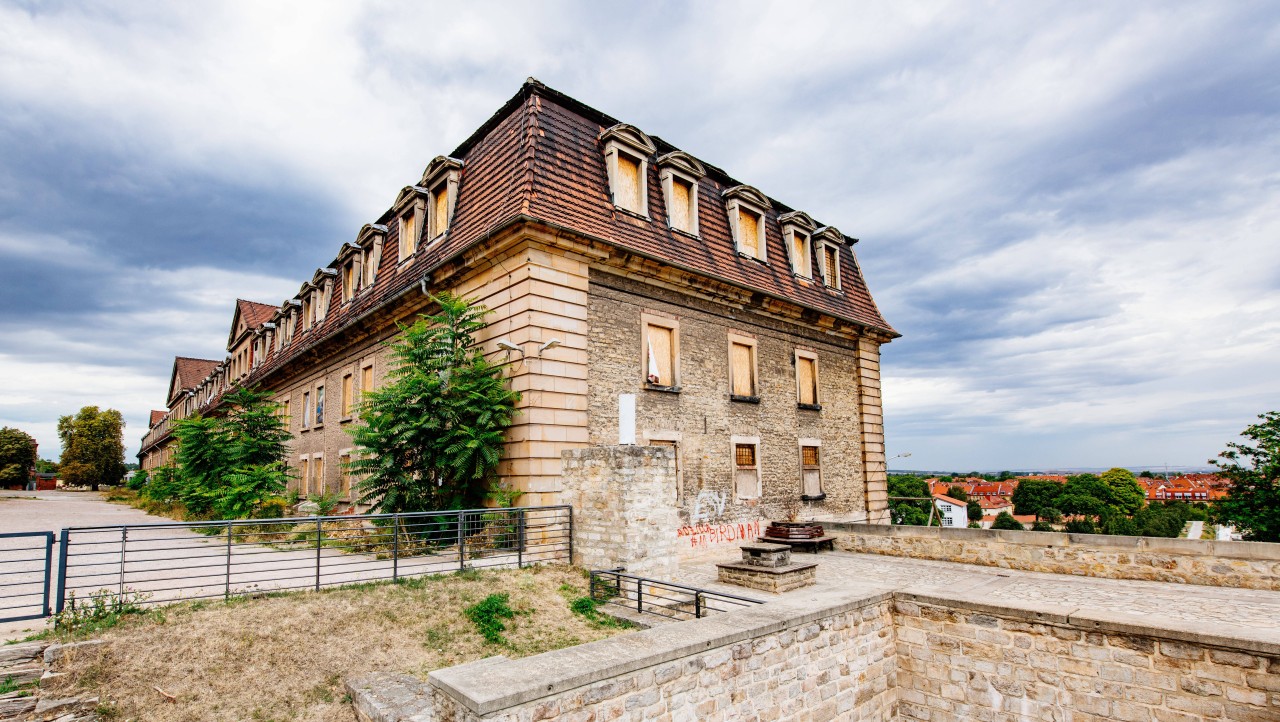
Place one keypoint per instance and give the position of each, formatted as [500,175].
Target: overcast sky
[1070,210]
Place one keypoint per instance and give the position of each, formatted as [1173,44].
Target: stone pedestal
[768,567]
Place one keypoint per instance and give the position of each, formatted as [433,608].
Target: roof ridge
[533,108]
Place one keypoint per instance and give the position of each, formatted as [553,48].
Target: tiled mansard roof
[540,158]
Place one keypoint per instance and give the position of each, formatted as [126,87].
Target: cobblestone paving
[1242,609]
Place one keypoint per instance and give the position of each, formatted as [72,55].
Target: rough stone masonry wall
[703,420]
[1249,565]
[960,663]
[623,500]
[821,661]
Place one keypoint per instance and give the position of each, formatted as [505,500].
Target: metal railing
[663,599]
[25,562]
[168,562]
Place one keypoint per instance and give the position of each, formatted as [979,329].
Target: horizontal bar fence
[163,563]
[663,599]
[26,559]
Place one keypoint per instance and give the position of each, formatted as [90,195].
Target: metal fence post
[462,541]
[570,560]
[226,593]
[319,541]
[48,564]
[395,550]
[124,548]
[520,527]
[697,605]
[640,595]
[62,571]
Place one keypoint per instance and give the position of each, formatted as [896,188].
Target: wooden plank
[679,208]
[749,232]
[628,182]
[661,371]
[805,368]
[740,370]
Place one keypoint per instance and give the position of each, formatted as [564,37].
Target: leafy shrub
[487,615]
[1042,526]
[325,503]
[138,480]
[1081,526]
[1005,520]
[277,507]
[102,610]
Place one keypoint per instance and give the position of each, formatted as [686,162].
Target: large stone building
[740,329]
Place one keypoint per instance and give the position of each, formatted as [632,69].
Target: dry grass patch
[284,657]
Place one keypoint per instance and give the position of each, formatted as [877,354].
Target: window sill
[748,256]
[304,429]
[683,232]
[744,399]
[662,389]
[345,419]
[809,407]
[816,497]
[633,214]
[318,427]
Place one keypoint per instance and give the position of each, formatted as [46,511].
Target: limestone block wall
[821,659]
[1250,565]
[624,510]
[958,662]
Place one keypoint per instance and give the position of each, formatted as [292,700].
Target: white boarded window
[746,467]
[679,173]
[661,352]
[800,255]
[742,368]
[749,232]
[626,157]
[810,470]
[807,378]
[628,183]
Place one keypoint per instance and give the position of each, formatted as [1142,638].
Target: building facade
[615,267]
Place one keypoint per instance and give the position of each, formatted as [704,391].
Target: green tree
[431,439]
[1005,520]
[974,510]
[958,493]
[17,456]
[1127,494]
[92,447]
[1032,495]
[46,466]
[1050,514]
[138,480]
[905,512]
[1252,505]
[229,465]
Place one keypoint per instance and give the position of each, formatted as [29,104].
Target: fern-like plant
[432,437]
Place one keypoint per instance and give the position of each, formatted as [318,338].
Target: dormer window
[306,312]
[746,207]
[626,155]
[370,242]
[441,177]
[679,174]
[829,241]
[797,236]
[348,281]
[408,234]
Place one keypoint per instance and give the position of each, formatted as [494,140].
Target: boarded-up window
[830,269]
[660,365]
[366,379]
[627,182]
[749,232]
[807,380]
[675,449]
[439,210]
[811,472]
[306,312]
[746,479]
[408,237]
[680,205]
[347,390]
[304,478]
[372,257]
[742,369]
[800,254]
[317,475]
[348,281]
[344,471]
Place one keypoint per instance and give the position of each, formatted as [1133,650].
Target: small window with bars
[810,474]
[746,480]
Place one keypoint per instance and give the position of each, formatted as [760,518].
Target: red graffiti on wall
[702,535]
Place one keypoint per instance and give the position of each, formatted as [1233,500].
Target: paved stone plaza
[1242,610]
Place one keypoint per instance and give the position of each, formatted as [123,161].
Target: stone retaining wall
[857,655]
[1250,565]
[966,661]
[823,659]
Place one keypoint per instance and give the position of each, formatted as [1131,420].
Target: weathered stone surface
[56,652]
[19,654]
[12,705]
[389,697]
